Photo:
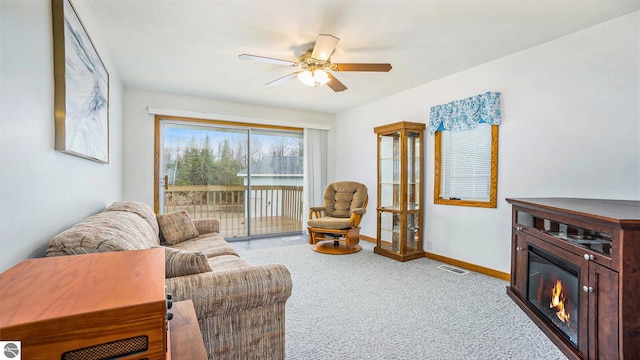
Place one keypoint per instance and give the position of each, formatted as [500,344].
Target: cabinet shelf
[579,234]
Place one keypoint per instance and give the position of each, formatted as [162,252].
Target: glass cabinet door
[414,195]
[413,169]
[399,234]
[389,172]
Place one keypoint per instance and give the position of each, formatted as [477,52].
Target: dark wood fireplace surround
[609,320]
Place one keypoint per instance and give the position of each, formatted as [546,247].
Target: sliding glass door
[248,177]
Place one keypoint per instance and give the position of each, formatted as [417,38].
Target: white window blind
[466,164]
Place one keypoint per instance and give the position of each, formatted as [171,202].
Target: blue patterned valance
[466,113]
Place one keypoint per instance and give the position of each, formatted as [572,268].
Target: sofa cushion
[176,227]
[182,263]
[226,263]
[212,244]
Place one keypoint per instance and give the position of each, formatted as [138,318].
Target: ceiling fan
[315,65]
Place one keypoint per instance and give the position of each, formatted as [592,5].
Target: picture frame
[81,87]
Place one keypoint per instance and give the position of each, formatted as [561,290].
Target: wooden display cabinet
[585,253]
[400,189]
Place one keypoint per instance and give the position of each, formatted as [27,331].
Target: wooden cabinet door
[519,262]
[603,312]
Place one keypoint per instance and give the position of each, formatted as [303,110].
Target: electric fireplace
[553,291]
[575,271]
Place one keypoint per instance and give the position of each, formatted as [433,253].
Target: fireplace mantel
[594,247]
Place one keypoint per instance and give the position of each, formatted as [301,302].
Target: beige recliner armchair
[338,219]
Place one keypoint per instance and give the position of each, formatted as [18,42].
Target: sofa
[240,307]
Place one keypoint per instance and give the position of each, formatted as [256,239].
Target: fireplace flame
[558,301]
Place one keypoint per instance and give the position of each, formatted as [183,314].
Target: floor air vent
[453,269]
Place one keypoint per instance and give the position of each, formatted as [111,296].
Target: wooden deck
[236,227]
[274,209]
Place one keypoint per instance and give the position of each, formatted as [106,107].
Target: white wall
[571,128]
[43,191]
[139,129]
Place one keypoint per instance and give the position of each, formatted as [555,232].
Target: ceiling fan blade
[335,84]
[266,60]
[283,79]
[362,67]
[325,44]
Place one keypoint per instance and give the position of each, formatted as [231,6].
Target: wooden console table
[185,338]
[87,305]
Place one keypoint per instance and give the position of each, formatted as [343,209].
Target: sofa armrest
[205,226]
[236,290]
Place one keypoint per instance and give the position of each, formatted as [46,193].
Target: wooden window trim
[493,195]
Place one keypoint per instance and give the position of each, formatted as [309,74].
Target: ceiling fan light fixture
[315,63]
[321,77]
[306,77]
[313,78]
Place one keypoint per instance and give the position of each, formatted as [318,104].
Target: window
[248,176]
[466,167]
[466,150]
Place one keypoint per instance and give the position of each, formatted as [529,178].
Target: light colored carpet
[366,306]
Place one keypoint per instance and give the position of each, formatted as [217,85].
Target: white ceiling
[191,47]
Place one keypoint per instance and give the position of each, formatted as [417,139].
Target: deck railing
[274,208]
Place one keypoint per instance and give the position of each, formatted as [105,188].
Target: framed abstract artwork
[81,88]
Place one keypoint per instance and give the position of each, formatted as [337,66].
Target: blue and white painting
[86,93]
